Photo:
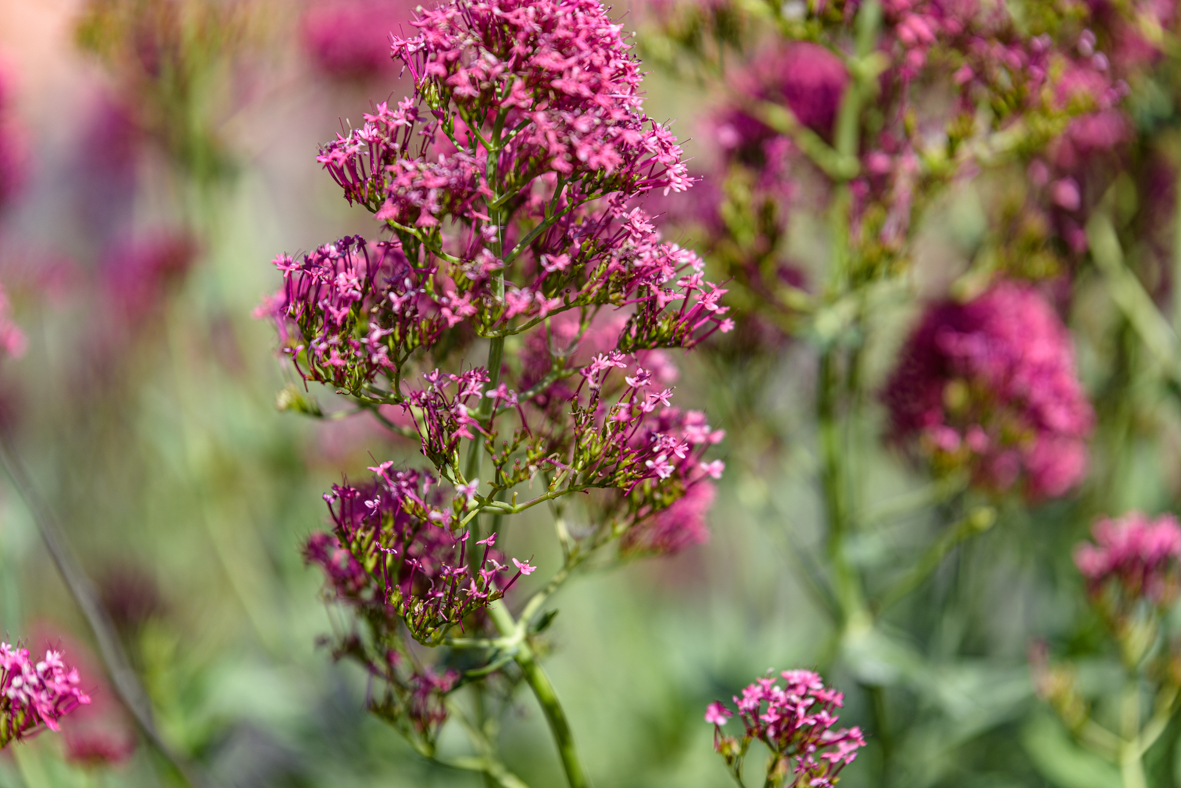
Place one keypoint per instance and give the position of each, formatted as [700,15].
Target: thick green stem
[543,690]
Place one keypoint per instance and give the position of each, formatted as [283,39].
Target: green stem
[847,587]
[475,450]
[1130,766]
[543,690]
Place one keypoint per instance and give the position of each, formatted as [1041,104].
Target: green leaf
[1060,760]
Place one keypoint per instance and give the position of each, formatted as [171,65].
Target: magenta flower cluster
[796,720]
[990,385]
[549,116]
[1134,557]
[35,694]
[506,185]
[392,554]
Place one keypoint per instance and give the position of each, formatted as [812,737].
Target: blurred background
[152,163]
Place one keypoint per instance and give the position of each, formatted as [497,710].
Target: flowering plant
[508,184]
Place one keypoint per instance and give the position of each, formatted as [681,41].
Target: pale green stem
[543,690]
[1130,766]
[848,590]
[30,766]
[1166,706]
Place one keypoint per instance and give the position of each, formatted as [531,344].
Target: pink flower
[796,721]
[102,732]
[679,526]
[991,384]
[35,694]
[1134,557]
[717,713]
[138,273]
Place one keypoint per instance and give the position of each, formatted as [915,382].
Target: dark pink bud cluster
[990,384]
[406,693]
[35,694]
[1134,557]
[797,723]
[350,39]
[392,553]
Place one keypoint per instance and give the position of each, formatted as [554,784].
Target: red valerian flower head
[991,385]
[796,720]
[393,553]
[1133,557]
[35,694]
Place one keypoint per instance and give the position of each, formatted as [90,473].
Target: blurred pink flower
[350,39]
[101,732]
[13,147]
[998,371]
[1135,555]
[137,273]
[675,528]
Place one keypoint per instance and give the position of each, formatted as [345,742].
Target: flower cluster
[392,553]
[529,113]
[350,40]
[507,184]
[352,310]
[35,694]
[990,385]
[796,721]
[1133,558]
